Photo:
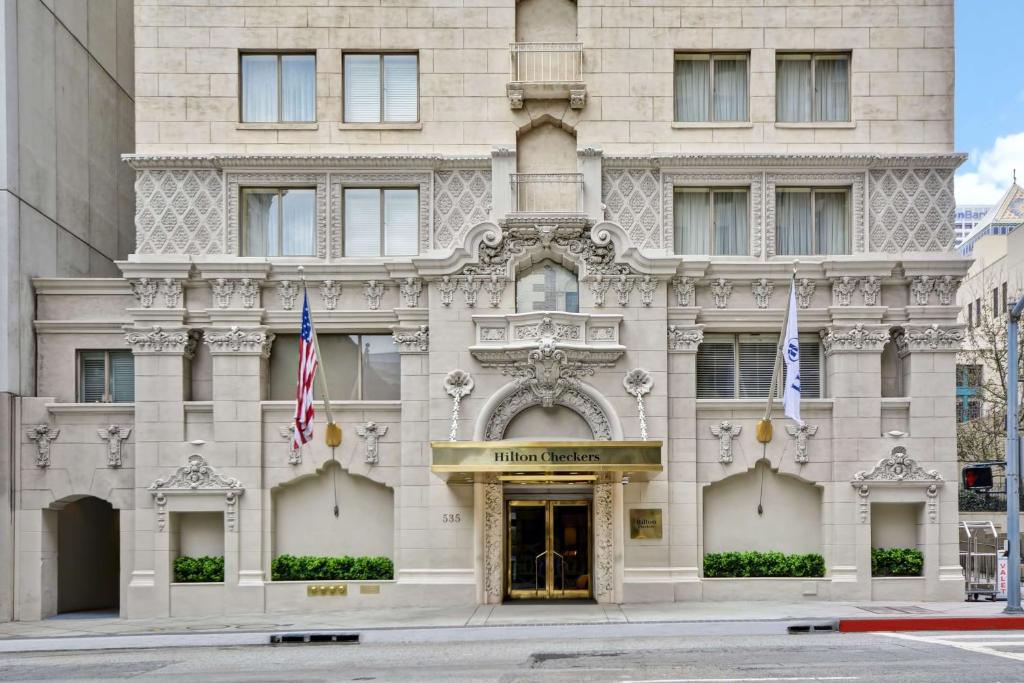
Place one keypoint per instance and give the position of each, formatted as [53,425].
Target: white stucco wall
[200,533]
[896,525]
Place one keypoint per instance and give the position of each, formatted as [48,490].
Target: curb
[998,623]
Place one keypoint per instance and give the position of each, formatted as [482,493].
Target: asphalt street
[948,657]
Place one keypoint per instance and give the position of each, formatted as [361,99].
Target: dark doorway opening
[88,556]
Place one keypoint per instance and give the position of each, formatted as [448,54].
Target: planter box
[901,588]
[197,599]
[767,588]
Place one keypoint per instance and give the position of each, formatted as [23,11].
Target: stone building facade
[548,250]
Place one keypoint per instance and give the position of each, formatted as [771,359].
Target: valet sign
[542,456]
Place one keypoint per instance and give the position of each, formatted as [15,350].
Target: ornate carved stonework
[495,287]
[946,288]
[222,290]
[179,212]
[159,341]
[470,286]
[287,432]
[921,288]
[593,252]
[599,287]
[144,290]
[170,290]
[373,290]
[604,542]
[898,469]
[801,435]
[870,287]
[577,98]
[412,340]
[493,541]
[842,290]
[248,291]
[911,209]
[287,291]
[197,477]
[638,383]
[684,338]
[623,287]
[458,384]
[571,398]
[648,286]
[410,288]
[446,287]
[371,432]
[235,181]
[330,291]
[632,198]
[933,338]
[854,181]
[462,199]
[43,435]
[115,436]
[762,290]
[239,341]
[683,287]
[721,290]
[804,292]
[725,432]
[857,338]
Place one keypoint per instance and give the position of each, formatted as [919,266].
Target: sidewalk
[484,622]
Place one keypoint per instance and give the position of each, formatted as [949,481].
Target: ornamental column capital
[158,339]
[684,338]
[932,338]
[241,340]
[860,338]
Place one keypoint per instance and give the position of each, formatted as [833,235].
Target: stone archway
[88,549]
[519,399]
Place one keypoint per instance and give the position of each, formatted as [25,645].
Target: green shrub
[896,562]
[199,569]
[760,564]
[314,568]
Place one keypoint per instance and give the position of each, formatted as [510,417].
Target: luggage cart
[979,559]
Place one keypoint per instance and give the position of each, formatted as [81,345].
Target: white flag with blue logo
[791,357]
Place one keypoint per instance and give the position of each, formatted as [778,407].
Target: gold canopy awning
[545,457]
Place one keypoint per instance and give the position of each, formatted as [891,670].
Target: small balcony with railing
[546,71]
[547,193]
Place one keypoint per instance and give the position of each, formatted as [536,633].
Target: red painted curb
[996,623]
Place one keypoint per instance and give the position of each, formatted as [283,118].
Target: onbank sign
[546,456]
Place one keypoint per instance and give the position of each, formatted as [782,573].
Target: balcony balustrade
[546,71]
[547,193]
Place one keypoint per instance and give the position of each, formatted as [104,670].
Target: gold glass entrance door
[548,554]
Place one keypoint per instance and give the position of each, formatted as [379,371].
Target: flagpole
[764,426]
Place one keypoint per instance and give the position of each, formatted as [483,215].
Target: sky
[989,114]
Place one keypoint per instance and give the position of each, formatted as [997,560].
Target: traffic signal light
[977,477]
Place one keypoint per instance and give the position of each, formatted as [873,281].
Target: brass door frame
[548,590]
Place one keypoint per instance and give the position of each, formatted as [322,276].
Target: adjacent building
[966,220]
[548,250]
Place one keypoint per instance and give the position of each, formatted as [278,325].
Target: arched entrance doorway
[88,555]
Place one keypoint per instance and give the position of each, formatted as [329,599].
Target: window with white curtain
[106,377]
[381,222]
[711,221]
[812,88]
[740,366]
[812,221]
[278,88]
[711,87]
[278,221]
[381,88]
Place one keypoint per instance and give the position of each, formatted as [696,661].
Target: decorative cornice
[236,340]
[160,341]
[846,161]
[343,162]
[858,338]
[197,475]
[898,468]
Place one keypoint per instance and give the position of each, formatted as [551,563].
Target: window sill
[817,124]
[683,125]
[418,125]
[277,126]
[758,404]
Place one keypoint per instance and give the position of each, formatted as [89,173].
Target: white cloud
[995,169]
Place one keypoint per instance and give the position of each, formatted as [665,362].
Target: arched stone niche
[507,403]
[557,422]
[791,522]
[304,521]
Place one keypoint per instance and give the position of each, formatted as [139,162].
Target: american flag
[304,386]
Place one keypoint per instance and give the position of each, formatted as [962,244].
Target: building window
[106,377]
[1006,300]
[977,312]
[547,286]
[711,221]
[381,88]
[968,381]
[278,221]
[381,222]
[711,87]
[995,303]
[740,366]
[812,88]
[359,367]
[278,88]
[970,316]
[812,221]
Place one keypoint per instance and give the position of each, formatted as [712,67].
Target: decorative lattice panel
[911,209]
[179,212]
[632,198]
[462,199]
